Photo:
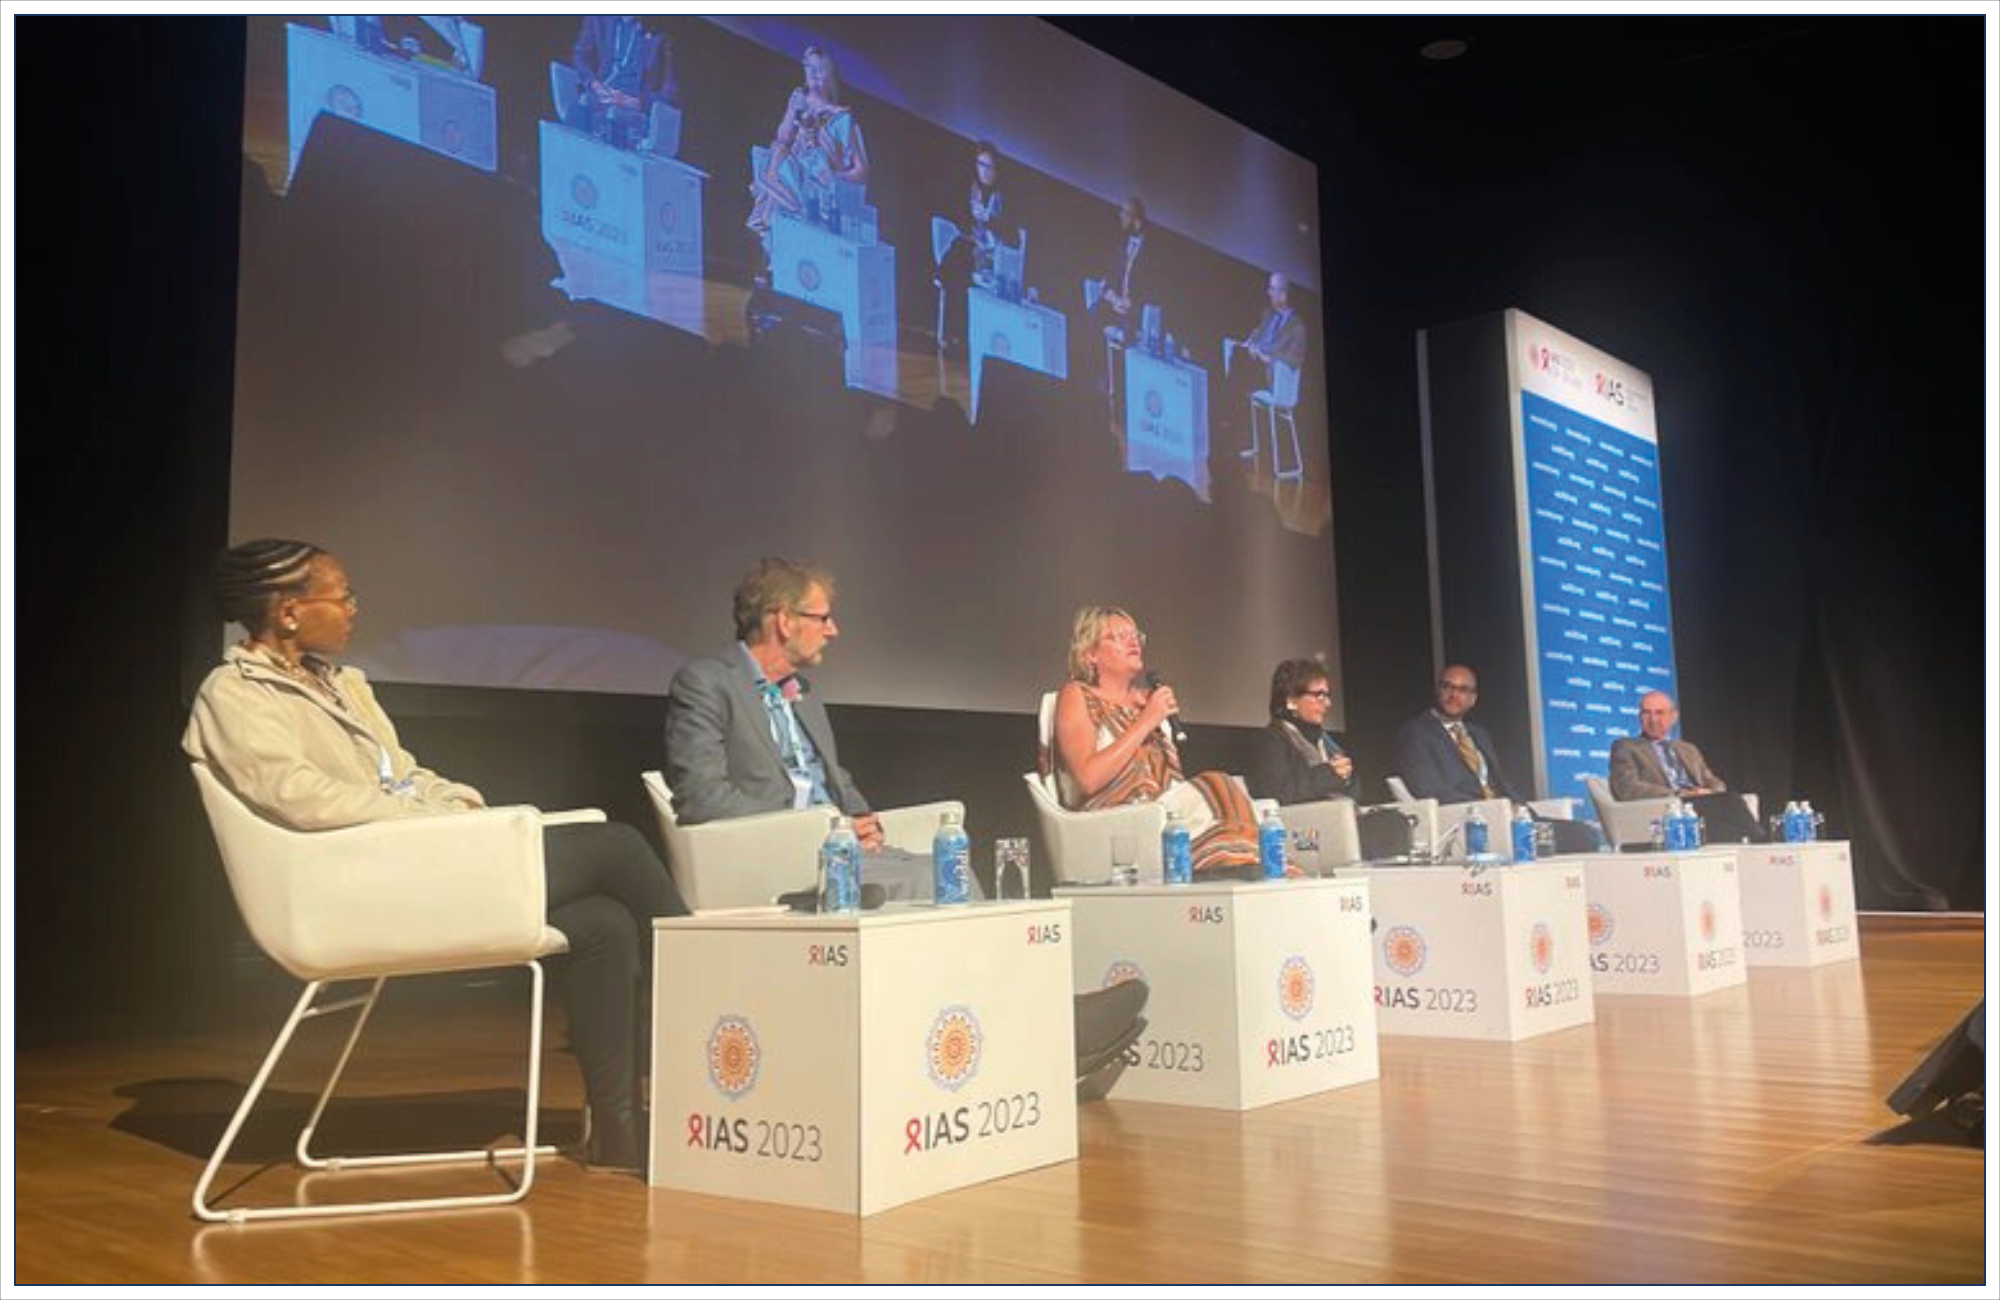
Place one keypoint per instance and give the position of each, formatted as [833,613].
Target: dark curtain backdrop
[1780,219]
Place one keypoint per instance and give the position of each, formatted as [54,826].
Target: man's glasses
[1458,688]
[1320,694]
[823,618]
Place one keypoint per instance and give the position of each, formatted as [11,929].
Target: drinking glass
[1124,859]
[1010,869]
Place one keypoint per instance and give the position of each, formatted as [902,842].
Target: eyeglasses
[823,618]
[1320,694]
[1128,635]
[349,598]
[1458,688]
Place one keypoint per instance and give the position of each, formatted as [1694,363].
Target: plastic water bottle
[1794,831]
[951,862]
[1271,845]
[1476,843]
[1671,827]
[1524,834]
[1808,822]
[840,869]
[1176,855]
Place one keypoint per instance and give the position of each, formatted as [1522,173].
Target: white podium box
[854,1063]
[1463,952]
[625,226]
[853,279]
[1668,923]
[1798,903]
[1166,419]
[1259,990]
[428,106]
[1025,333]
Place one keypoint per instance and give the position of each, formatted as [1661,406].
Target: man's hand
[1342,765]
[868,829]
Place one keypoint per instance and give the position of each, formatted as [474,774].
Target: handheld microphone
[1171,724]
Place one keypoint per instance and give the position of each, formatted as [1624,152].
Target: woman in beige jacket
[304,742]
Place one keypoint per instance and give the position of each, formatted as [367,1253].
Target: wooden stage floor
[1741,1138]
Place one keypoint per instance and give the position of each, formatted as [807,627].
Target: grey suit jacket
[722,761]
[1636,772]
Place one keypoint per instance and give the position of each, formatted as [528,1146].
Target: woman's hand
[1159,705]
[1342,765]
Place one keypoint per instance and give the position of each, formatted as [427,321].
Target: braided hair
[250,577]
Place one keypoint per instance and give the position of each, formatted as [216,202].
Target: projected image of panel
[1594,558]
[653,296]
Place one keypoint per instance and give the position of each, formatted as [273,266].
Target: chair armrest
[912,828]
[1562,810]
[573,816]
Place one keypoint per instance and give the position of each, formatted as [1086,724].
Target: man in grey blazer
[1652,764]
[744,732]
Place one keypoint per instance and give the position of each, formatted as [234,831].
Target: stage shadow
[189,1115]
[1938,1128]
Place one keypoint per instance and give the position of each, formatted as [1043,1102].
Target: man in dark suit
[1442,755]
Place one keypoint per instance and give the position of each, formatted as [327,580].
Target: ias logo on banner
[1541,947]
[1295,988]
[1120,971]
[734,1057]
[583,190]
[1154,403]
[809,274]
[670,216]
[1825,903]
[1707,921]
[951,1049]
[1404,949]
[1602,927]
[999,345]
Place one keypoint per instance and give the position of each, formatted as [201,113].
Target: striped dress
[1221,823]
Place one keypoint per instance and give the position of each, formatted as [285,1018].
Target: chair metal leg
[1298,469]
[305,1009]
[1249,453]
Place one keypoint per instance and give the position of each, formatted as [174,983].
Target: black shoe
[1088,1064]
[617,1144]
[1106,1015]
[1097,1085]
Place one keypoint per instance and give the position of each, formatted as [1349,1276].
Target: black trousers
[605,886]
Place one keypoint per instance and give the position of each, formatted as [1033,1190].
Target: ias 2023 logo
[1707,921]
[951,1049]
[1541,947]
[734,1056]
[1825,903]
[1602,927]
[1404,949]
[1295,988]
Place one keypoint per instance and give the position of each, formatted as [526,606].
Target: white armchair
[1330,824]
[1438,826]
[750,861]
[410,897]
[1630,821]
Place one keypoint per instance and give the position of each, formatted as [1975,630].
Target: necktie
[1470,753]
[1670,763]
